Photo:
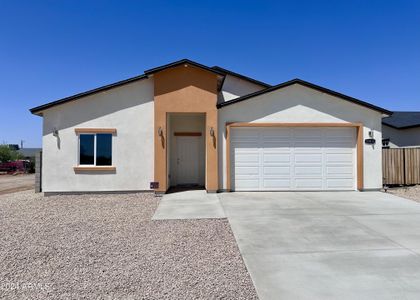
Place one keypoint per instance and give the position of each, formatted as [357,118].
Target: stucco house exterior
[401,130]
[186,124]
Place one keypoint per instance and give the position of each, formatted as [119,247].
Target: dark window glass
[87,149]
[103,149]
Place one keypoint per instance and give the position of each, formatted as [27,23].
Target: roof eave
[309,85]
[39,109]
[401,127]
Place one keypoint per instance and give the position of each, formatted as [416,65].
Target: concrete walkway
[196,204]
[337,245]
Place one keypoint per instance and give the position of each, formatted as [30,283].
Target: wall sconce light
[211,131]
[55,132]
[160,131]
[371,133]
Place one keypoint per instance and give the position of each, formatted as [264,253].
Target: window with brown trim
[95,149]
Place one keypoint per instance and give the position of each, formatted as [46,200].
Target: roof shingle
[403,119]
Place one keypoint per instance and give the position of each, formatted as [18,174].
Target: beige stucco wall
[409,137]
[129,109]
[299,104]
[234,87]
[184,89]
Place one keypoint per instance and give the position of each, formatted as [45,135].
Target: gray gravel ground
[106,247]
[409,192]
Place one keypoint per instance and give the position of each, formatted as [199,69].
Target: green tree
[7,154]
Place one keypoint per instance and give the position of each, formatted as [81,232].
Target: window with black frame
[95,149]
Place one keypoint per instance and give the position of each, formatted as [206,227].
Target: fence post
[38,172]
[412,165]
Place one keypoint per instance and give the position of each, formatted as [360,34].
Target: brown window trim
[187,133]
[359,139]
[95,130]
[94,168]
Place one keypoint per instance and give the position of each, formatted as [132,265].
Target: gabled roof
[183,62]
[403,119]
[38,109]
[228,72]
[216,70]
[309,85]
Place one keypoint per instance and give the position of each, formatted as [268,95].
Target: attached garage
[287,158]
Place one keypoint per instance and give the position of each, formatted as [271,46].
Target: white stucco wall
[129,109]
[297,104]
[234,87]
[409,137]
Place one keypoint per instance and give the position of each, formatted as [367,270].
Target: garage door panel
[277,145]
[314,183]
[244,170]
[345,158]
[276,158]
[331,150]
[249,185]
[335,171]
[274,150]
[246,147]
[304,158]
[277,171]
[305,150]
[308,171]
[277,183]
[293,158]
[339,146]
[247,158]
[340,183]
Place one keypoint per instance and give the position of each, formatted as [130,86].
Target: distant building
[14,146]
[29,153]
[401,129]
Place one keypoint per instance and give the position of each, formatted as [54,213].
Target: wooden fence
[401,166]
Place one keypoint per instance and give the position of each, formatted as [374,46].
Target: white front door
[187,159]
[271,159]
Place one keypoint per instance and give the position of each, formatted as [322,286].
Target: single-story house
[187,124]
[401,129]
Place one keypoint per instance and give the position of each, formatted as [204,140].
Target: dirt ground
[409,192]
[11,184]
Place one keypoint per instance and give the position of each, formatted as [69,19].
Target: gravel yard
[409,192]
[106,247]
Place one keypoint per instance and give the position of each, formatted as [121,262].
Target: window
[87,149]
[95,149]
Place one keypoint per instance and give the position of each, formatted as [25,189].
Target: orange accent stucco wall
[185,90]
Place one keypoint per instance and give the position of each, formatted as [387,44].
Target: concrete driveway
[334,245]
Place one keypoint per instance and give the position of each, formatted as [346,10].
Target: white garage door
[285,158]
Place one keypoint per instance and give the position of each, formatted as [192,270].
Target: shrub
[7,154]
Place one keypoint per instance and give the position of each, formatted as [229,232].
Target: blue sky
[52,49]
